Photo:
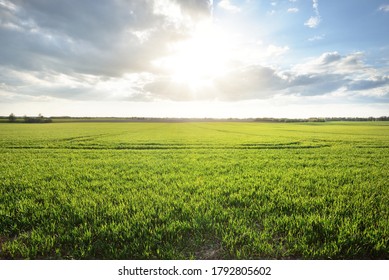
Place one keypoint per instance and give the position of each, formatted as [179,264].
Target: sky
[194,58]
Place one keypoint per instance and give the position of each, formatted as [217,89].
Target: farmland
[194,190]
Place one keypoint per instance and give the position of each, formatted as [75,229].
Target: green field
[194,191]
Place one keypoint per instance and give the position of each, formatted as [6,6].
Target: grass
[194,191]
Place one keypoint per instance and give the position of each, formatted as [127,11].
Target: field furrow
[194,191]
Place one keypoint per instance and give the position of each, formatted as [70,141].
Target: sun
[200,59]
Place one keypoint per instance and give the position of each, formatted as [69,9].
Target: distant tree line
[357,119]
[39,119]
[286,120]
[370,119]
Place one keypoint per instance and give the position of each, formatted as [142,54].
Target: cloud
[273,50]
[315,84]
[69,35]
[252,82]
[78,50]
[293,10]
[242,83]
[328,58]
[332,72]
[329,74]
[384,8]
[316,6]
[315,20]
[177,11]
[333,62]
[228,6]
[316,38]
[312,22]
[109,39]
[370,83]
[195,7]
[75,49]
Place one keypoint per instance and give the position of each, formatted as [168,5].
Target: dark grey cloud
[95,37]
[97,22]
[43,40]
[317,84]
[62,36]
[375,82]
[195,7]
[253,82]
[332,72]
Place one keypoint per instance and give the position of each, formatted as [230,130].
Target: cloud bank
[81,50]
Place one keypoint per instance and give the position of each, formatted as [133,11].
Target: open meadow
[202,190]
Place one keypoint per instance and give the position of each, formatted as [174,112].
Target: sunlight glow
[199,59]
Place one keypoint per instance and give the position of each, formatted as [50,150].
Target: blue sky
[195,58]
[344,26]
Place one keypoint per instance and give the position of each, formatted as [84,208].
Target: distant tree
[39,119]
[11,118]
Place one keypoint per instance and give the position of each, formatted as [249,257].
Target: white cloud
[334,74]
[331,62]
[273,50]
[228,6]
[316,6]
[384,8]
[293,10]
[315,20]
[316,38]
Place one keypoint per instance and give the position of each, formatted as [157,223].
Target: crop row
[218,202]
